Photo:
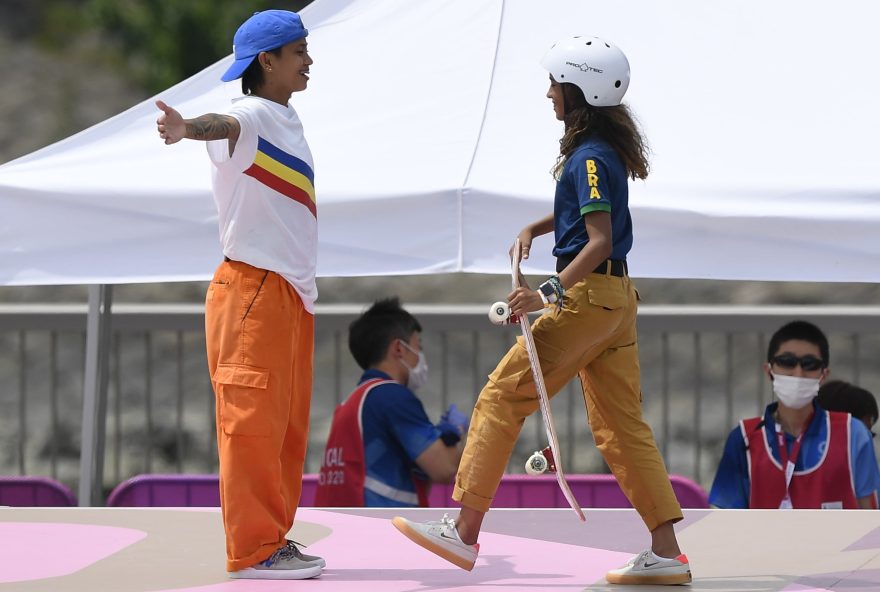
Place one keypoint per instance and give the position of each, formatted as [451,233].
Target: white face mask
[418,375]
[793,391]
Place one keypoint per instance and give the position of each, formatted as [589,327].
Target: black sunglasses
[791,361]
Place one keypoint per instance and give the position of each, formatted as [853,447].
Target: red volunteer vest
[341,480]
[828,484]
[343,468]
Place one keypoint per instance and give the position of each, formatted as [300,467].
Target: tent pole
[94,418]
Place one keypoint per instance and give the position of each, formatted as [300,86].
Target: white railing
[701,372]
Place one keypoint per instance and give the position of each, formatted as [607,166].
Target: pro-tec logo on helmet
[584,67]
[595,66]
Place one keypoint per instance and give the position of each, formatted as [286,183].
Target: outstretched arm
[211,126]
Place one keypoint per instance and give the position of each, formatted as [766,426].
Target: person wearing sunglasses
[797,455]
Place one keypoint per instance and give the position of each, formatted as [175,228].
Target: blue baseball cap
[264,31]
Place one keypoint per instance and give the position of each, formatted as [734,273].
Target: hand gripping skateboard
[499,315]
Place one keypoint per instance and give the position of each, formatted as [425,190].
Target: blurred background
[74,63]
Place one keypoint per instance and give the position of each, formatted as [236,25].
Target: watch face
[548,294]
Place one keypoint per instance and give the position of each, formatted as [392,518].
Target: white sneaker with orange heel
[441,538]
[647,568]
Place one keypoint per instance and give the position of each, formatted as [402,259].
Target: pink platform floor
[181,549]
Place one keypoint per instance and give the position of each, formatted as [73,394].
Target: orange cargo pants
[260,344]
[593,337]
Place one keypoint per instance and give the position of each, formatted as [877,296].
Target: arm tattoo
[212,127]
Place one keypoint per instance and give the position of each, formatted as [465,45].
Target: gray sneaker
[319,561]
[282,565]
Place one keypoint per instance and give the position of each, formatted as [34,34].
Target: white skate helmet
[595,66]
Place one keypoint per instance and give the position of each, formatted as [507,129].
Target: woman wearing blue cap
[259,310]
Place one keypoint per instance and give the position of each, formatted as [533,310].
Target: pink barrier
[591,491]
[515,491]
[167,491]
[35,491]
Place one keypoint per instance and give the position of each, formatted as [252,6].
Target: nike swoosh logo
[443,535]
[651,564]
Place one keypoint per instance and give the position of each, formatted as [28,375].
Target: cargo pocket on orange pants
[242,397]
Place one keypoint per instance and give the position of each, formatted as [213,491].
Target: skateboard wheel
[537,464]
[499,313]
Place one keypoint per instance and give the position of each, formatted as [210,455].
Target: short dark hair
[802,331]
[253,78]
[839,395]
[370,334]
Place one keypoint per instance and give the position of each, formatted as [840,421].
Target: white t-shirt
[265,194]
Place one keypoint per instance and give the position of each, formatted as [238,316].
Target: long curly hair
[616,125]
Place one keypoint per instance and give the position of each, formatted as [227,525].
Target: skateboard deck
[543,399]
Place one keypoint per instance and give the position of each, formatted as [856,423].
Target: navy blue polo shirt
[593,179]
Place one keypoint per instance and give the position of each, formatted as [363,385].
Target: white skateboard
[546,459]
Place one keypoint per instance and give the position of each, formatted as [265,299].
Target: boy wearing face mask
[797,455]
[383,451]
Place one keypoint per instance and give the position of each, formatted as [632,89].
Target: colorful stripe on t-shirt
[285,173]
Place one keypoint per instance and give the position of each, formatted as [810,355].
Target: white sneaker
[647,568]
[440,537]
[284,564]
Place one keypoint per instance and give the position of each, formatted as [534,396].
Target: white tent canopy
[433,141]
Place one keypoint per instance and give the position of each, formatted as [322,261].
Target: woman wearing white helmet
[591,330]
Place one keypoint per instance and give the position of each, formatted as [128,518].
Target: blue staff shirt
[396,430]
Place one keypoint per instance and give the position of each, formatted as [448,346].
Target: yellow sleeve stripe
[286,173]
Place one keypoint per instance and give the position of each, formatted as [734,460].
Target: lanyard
[788,463]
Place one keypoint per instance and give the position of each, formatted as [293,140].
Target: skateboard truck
[499,314]
[541,462]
